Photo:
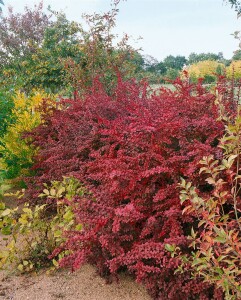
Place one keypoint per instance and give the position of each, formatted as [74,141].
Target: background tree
[22,34]
[102,56]
[205,69]
[2,3]
[45,50]
[34,46]
[137,59]
[234,70]
[46,68]
[172,74]
[194,57]
[236,4]
[161,68]
[150,63]
[237,55]
[175,62]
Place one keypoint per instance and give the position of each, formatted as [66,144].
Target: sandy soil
[84,284]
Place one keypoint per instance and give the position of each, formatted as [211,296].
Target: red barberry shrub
[130,150]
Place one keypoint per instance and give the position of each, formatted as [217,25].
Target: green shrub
[6,107]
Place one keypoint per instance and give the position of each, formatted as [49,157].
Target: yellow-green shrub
[15,152]
[234,70]
[205,69]
[32,233]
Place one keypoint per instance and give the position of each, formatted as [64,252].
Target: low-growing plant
[32,233]
[4,187]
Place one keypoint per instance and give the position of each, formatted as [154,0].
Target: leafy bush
[172,73]
[206,69]
[31,234]
[15,152]
[234,70]
[216,242]
[130,150]
[6,117]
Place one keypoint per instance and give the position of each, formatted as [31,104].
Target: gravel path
[84,284]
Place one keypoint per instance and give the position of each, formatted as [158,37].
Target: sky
[167,27]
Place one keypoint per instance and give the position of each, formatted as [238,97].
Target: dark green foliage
[161,68]
[194,57]
[237,55]
[175,62]
[2,3]
[236,5]
[6,118]
[209,79]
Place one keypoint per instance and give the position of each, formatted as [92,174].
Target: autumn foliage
[207,69]
[234,70]
[130,150]
[123,177]
[215,240]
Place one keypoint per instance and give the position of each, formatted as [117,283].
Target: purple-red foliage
[130,150]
